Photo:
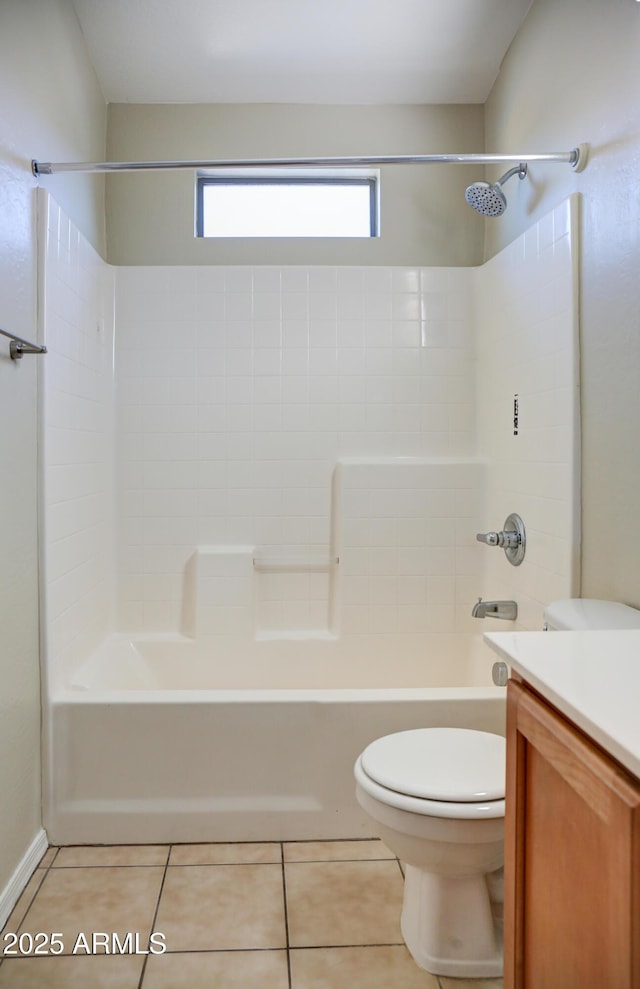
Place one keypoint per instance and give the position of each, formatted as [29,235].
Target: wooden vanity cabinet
[572,856]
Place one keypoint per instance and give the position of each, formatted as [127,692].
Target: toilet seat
[438,772]
[453,764]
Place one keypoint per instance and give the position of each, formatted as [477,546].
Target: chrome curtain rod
[576,157]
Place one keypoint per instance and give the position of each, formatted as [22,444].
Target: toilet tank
[588,613]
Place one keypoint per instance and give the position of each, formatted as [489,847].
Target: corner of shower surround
[528,410]
[76,295]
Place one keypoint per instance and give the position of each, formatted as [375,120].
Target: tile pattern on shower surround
[238,391]
[292,915]
[76,306]
[409,559]
[526,307]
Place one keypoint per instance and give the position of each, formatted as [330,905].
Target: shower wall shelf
[292,564]
[19,347]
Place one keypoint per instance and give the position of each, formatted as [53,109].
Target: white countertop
[591,677]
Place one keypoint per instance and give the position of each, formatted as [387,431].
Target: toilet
[436,797]
[588,613]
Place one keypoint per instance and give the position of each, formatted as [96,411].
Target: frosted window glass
[302,209]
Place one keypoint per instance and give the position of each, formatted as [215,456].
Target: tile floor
[292,915]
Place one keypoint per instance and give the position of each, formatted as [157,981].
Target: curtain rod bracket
[19,347]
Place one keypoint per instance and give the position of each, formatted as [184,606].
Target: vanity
[572,826]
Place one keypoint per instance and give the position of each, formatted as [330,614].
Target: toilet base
[448,925]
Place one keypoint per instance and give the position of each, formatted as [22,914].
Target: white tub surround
[166,741]
[528,427]
[404,532]
[77,403]
[297,493]
[283,372]
[124,667]
[401,559]
[592,677]
[286,371]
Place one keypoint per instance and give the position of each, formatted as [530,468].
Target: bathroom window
[291,203]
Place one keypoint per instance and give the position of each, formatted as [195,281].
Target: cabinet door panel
[571,857]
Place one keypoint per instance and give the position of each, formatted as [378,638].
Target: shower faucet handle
[490,538]
[512,539]
[503,539]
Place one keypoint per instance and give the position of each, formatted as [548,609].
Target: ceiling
[298,51]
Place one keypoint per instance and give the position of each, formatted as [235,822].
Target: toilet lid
[454,764]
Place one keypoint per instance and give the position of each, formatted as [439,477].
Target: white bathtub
[172,741]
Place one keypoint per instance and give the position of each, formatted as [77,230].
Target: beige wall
[424,218]
[571,75]
[50,106]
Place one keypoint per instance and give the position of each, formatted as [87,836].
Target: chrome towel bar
[19,347]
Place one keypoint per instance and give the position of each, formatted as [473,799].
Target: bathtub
[179,741]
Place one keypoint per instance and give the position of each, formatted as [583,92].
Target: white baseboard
[10,895]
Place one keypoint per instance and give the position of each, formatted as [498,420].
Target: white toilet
[436,796]
[589,613]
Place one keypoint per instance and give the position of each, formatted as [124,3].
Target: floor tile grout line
[387,858]
[145,865]
[336,947]
[220,951]
[323,841]
[186,844]
[155,914]
[177,951]
[127,844]
[286,916]
[224,865]
[197,865]
[236,951]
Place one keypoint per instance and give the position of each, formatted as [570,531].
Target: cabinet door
[572,857]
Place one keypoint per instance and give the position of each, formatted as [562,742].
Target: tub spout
[508,610]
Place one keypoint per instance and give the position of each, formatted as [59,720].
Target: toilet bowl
[436,796]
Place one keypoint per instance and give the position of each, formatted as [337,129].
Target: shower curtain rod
[576,157]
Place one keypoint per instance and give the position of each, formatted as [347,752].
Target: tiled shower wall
[77,409]
[292,413]
[527,345]
[409,561]
[239,389]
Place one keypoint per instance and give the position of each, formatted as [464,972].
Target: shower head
[488,198]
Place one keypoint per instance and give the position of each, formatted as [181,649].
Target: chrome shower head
[488,198]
